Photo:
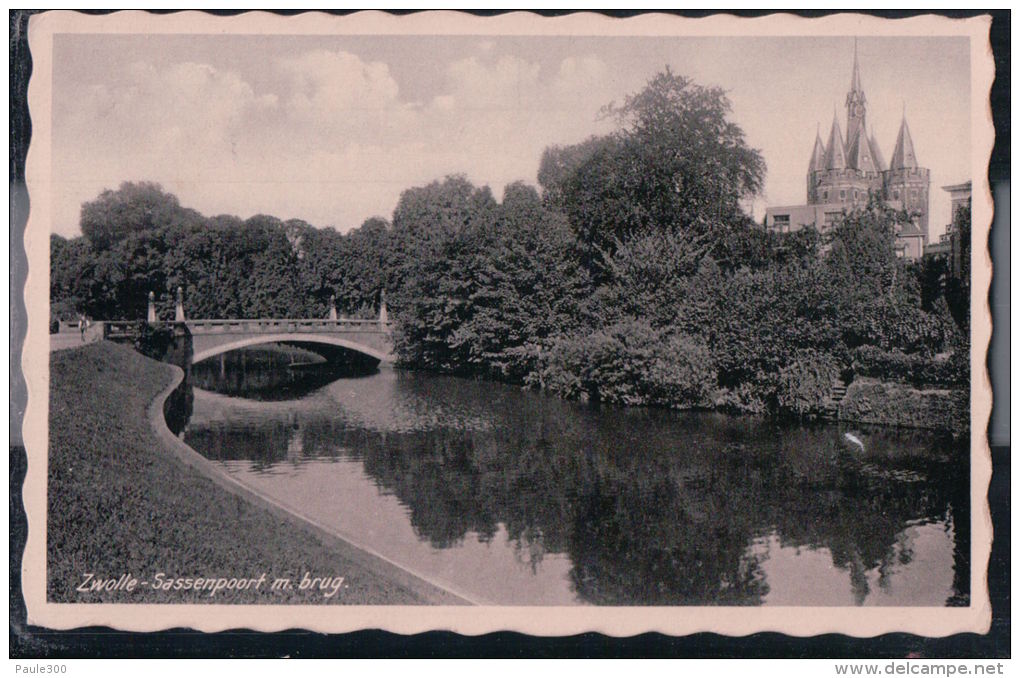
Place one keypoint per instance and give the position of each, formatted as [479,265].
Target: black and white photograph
[538,326]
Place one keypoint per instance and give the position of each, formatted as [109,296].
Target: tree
[677,163]
[559,163]
[68,261]
[132,208]
[862,256]
[958,286]
[531,287]
[441,233]
[700,159]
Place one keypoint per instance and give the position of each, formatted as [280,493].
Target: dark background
[28,641]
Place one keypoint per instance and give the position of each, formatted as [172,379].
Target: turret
[876,153]
[906,182]
[903,156]
[835,154]
[859,153]
[818,154]
[816,164]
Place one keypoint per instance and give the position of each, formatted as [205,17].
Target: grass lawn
[119,503]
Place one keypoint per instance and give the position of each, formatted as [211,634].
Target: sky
[331,129]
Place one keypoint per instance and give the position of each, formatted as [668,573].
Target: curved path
[357,553]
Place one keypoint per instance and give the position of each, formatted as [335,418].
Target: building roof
[965,186]
[907,229]
[903,156]
[835,154]
[803,215]
[817,155]
[859,153]
[876,153]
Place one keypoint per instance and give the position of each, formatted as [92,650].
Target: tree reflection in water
[651,506]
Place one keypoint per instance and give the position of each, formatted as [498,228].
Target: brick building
[950,245]
[844,172]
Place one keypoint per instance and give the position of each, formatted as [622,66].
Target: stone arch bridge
[346,339]
[369,339]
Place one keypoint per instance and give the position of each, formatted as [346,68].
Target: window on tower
[842,195]
[825,195]
[896,195]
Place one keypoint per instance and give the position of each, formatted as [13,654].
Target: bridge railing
[269,326]
[119,329]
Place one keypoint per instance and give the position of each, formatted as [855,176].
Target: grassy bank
[119,503]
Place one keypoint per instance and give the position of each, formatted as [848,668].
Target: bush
[153,342]
[804,386]
[919,370]
[681,375]
[630,363]
[890,404]
[745,398]
[61,311]
[897,327]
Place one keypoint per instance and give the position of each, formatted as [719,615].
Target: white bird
[855,440]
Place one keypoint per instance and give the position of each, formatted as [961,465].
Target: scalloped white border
[615,621]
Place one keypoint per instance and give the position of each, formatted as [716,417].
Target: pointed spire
[835,154]
[876,153]
[818,154]
[856,102]
[903,156]
[855,79]
[859,153]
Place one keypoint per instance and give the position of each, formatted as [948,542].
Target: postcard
[544,324]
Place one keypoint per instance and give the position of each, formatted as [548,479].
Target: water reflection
[514,497]
[277,371]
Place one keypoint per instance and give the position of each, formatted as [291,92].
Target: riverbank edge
[432,592]
[881,412]
[893,404]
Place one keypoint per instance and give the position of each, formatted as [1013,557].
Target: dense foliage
[630,363]
[634,277]
[228,267]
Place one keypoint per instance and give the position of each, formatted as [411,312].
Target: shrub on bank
[804,387]
[630,363]
[153,341]
[745,398]
[896,326]
[919,370]
[881,402]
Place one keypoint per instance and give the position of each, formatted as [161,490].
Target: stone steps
[838,393]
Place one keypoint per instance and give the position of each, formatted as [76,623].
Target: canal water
[512,497]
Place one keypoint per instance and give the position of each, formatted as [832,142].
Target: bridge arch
[203,349]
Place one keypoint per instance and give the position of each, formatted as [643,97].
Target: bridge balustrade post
[383,315]
[332,307]
[150,316]
[179,311]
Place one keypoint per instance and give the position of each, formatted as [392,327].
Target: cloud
[506,83]
[335,80]
[325,136]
